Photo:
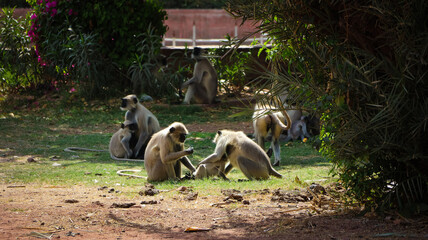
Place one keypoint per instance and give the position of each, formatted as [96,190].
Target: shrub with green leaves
[363,65]
[92,43]
[154,74]
[17,65]
[231,69]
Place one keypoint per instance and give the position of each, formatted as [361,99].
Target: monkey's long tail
[74,149]
[125,159]
[274,173]
[278,122]
[284,113]
[120,173]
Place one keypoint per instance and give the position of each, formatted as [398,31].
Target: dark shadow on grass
[300,155]
[305,161]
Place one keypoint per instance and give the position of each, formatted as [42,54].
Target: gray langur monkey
[215,169]
[293,111]
[242,153]
[266,119]
[312,121]
[313,124]
[122,141]
[165,153]
[294,114]
[298,130]
[202,87]
[147,123]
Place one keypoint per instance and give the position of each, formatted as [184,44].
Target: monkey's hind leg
[269,152]
[201,172]
[177,169]
[222,175]
[189,94]
[276,152]
[252,170]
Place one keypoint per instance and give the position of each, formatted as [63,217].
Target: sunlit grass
[97,169]
[44,135]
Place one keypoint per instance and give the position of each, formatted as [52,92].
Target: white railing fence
[175,42]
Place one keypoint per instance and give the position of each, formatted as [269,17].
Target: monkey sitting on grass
[242,153]
[202,87]
[298,130]
[214,169]
[122,142]
[147,123]
[165,152]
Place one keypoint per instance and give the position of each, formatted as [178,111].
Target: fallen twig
[196,229]
[295,210]
[40,235]
[122,205]
[229,201]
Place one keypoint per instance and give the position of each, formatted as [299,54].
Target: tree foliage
[14,3]
[17,64]
[154,74]
[363,65]
[92,42]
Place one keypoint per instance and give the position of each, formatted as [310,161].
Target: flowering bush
[92,42]
[17,65]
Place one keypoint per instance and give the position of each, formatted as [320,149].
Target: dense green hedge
[363,66]
[18,65]
[93,43]
[14,3]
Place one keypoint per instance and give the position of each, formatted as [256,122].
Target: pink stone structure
[198,24]
[198,27]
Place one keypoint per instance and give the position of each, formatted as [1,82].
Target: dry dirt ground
[80,212]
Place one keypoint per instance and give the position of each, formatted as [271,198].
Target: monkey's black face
[196,51]
[124,103]
[182,137]
[133,127]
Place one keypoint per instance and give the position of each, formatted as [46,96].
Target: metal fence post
[194,35]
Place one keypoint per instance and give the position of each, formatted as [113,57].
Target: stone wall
[209,23]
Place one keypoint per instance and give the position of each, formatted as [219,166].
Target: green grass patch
[196,114]
[45,133]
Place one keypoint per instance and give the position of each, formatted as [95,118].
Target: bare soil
[80,212]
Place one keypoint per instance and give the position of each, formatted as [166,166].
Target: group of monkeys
[140,136]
